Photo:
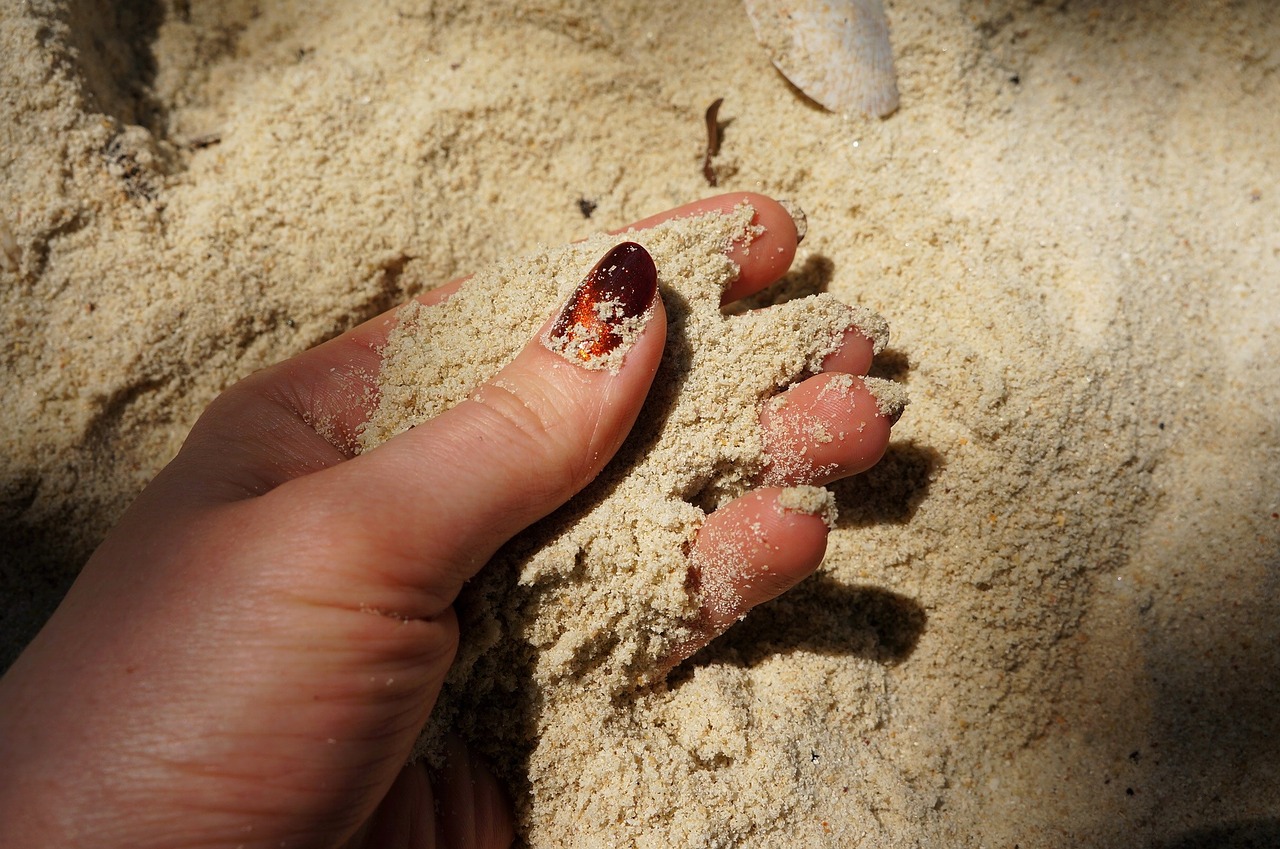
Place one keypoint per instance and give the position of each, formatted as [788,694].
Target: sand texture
[1049,617]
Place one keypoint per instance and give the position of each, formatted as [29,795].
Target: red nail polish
[609,306]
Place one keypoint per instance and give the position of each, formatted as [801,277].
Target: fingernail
[608,309]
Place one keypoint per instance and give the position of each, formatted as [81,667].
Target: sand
[1048,618]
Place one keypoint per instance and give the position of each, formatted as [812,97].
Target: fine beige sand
[1048,618]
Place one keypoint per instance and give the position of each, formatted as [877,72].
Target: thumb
[436,501]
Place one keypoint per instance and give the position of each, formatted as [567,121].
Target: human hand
[249,656]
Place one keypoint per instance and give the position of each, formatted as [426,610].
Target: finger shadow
[892,490]
[821,616]
[114,49]
[890,364]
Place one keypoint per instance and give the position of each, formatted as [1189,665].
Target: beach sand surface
[1049,617]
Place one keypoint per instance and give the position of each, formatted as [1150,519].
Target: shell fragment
[835,51]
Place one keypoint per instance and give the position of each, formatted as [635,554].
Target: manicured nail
[608,309]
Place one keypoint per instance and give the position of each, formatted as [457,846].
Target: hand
[249,656]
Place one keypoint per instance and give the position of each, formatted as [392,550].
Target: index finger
[306,412]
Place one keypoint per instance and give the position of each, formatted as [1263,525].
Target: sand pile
[1049,617]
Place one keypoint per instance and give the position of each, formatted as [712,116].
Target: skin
[249,656]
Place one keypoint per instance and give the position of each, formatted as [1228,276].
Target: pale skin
[249,656]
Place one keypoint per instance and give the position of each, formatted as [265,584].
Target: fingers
[405,817]
[461,806]
[304,415]
[829,427]
[473,810]
[854,354]
[757,547]
[761,261]
[753,550]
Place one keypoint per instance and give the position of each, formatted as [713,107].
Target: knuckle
[533,426]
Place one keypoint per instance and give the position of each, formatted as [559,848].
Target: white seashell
[835,51]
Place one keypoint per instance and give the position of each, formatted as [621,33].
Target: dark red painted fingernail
[609,307]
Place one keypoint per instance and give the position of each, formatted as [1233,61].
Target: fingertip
[854,354]
[828,427]
[763,258]
[767,255]
[756,548]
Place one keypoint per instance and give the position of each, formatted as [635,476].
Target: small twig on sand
[713,141]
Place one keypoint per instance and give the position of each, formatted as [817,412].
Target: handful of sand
[564,632]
